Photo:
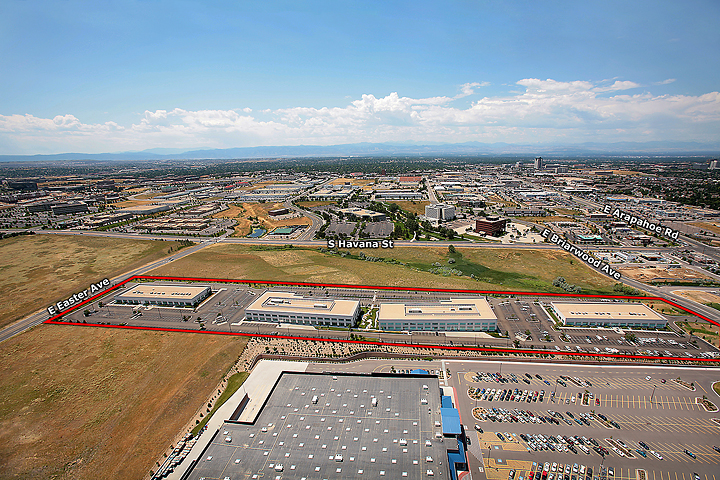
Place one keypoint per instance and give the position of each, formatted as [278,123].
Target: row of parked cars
[508,394]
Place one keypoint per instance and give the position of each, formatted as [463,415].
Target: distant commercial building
[525,212]
[39,207]
[492,225]
[457,314]
[398,195]
[713,165]
[361,214]
[164,295]
[440,211]
[67,208]
[409,180]
[29,185]
[607,315]
[539,164]
[278,212]
[145,209]
[288,307]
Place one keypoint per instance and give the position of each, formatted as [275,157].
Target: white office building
[440,211]
[288,307]
[456,314]
[600,314]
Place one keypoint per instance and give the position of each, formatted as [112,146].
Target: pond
[258,232]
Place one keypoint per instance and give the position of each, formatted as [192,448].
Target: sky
[113,76]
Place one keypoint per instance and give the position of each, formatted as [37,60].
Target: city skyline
[134,76]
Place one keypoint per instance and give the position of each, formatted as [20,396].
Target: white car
[656,454]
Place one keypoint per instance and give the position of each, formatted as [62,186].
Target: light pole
[653,394]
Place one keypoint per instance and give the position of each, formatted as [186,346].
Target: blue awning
[446,401]
[450,421]
[457,458]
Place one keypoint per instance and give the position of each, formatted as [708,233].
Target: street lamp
[653,394]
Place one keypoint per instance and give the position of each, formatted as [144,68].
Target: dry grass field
[532,270]
[259,211]
[496,199]
[413,206]
[38,270]
[237,213]
[358,182]
[314,203]
[93,403]
[707,226]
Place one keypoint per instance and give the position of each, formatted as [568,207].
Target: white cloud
[469,88]
[666,82]
[541,111]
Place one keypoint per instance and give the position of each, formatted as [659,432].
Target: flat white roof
[288,302]
[606,311]
[454,308]
[166,292]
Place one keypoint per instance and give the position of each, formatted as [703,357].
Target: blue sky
[130,75]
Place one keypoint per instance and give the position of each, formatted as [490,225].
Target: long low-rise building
[607,314]
[288,307]
[456,314]
[164,295]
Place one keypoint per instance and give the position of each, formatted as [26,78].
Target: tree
[451,248]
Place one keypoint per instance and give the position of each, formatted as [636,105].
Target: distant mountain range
[658,148]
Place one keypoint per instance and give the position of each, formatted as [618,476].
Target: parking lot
[626,406]
[525,319]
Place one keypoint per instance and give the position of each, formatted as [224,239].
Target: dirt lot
[414,206]
[260,211]
[93,403]
[37,270]
[353,181]
[519,269]
[646,274]
[699,296]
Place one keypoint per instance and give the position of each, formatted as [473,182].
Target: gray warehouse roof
[326,426]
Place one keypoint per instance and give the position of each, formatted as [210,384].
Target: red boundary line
[53,320]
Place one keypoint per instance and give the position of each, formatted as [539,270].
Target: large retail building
[461,314]
[607,314]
